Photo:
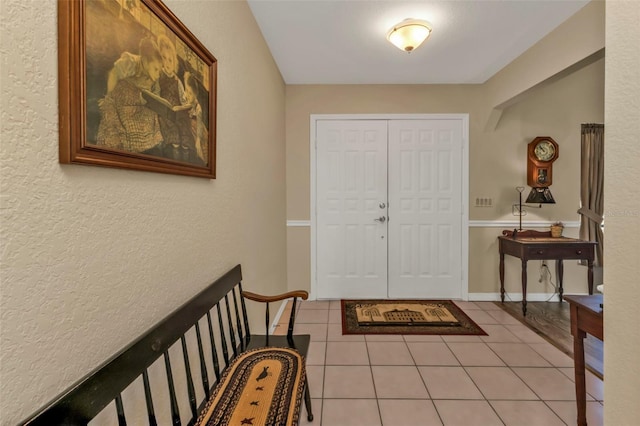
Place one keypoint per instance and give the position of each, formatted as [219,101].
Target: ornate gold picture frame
[137,89]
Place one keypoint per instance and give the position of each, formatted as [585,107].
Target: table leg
[590,275]
[502,276]
[559,276]
[578,366]
[524,287]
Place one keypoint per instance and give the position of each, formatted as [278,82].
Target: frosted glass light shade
[409,34]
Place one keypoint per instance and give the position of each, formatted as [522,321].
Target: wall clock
[541,153]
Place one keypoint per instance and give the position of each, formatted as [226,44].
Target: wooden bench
[213,325]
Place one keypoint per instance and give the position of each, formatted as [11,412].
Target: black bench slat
[267,317]
[292,319]
[223,339]
[214,352]
[175,411]
[190,388]
[240,334]
[151,414]
[244,316]
[122,421]
[203,365]
[232,333]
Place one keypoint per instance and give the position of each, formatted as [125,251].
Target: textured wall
[622,215]
[91,257]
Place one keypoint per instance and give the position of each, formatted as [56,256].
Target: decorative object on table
[406,317]
[556,229]
[541,153]
[137,89]
[519,208]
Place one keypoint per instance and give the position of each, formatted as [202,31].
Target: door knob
[383,205]
[381,219]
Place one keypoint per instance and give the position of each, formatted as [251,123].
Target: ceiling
[344,41]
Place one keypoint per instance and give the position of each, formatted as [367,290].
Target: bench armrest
[268,299]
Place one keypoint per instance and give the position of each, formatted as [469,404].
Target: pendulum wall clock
[541,153]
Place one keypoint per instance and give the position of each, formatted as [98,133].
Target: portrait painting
[137,89]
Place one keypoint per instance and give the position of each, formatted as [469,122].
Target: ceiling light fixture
[409,34]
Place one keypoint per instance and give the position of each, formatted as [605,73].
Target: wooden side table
[586,317]
[533,245]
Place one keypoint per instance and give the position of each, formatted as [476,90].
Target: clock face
[544,150]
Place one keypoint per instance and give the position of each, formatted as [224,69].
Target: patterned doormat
[406,317]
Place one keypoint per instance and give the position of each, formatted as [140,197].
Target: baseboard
[276,319]
[513,297]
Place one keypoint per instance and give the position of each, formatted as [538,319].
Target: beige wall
[579,37]
[622,212]
[556,110]
[497,158]
[92,257]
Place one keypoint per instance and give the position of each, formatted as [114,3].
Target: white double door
[389,208]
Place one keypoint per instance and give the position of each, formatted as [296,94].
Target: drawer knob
[540,251]
[578,251]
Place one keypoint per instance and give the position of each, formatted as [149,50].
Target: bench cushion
[263,386]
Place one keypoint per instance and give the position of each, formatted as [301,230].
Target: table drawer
[559,252]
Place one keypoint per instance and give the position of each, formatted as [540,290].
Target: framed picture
[137,89]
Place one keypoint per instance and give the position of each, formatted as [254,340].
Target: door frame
[464,230]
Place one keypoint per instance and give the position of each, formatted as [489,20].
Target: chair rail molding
[299,223]
[514,224]
[473,223]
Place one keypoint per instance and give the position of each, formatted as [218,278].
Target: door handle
[381,219]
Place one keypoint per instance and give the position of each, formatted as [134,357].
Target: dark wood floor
[551,321]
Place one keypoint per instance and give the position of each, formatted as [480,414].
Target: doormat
[406,317]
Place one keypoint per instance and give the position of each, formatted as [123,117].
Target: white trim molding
[509,224]
[474,224]
[299,223]
[514,297]
[276,319]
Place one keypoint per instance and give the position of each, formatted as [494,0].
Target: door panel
[425,208]
[351,164]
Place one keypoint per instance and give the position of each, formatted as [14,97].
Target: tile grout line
[373,381]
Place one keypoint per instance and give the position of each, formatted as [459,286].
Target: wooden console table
[586,317]
[534,245]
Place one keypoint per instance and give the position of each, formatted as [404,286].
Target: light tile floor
[510,377]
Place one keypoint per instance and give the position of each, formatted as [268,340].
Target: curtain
[592,186]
